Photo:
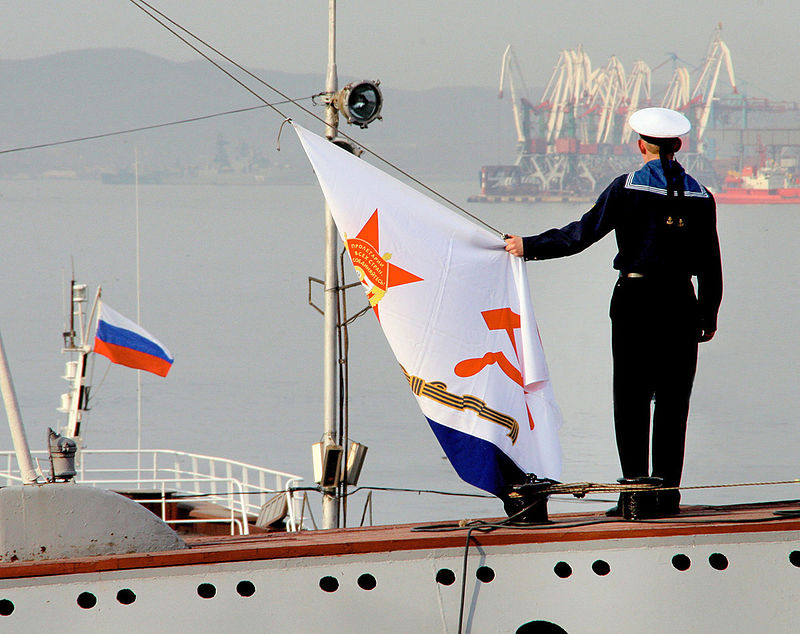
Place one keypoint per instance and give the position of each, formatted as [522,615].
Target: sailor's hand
[514,245]
[706,335]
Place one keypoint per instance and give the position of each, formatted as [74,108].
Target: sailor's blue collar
[650,178]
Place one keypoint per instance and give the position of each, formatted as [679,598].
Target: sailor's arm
[570,239]
[709,281]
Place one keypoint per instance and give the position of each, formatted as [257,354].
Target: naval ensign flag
[456,310]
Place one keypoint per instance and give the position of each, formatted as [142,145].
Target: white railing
[170,477]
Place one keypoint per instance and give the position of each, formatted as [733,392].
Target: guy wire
[151,10]
[155,126]
[138,4]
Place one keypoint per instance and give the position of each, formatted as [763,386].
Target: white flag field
[456,310]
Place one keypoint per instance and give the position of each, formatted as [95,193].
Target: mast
[75,402]
[24,460]
[330,501]
[360,102]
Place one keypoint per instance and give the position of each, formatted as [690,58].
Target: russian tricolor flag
[126,343]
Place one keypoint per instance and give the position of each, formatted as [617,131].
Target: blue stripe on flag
[477,461]
[127,339]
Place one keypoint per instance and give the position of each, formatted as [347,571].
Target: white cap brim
[659,123]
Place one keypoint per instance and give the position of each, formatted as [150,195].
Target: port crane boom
[520,103]
[703,93]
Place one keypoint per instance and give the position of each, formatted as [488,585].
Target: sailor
[665,226]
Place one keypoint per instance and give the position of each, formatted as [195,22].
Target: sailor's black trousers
[654,333]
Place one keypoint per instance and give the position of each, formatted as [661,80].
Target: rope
[577,489]
[152,12]
[463,583]
[740,484]
[418,491]
[139,129]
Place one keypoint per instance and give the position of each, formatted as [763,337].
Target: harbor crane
[569,85]
[576,135]
[607,91]
[638,83]
[520,98]
[703,94]
[678,90]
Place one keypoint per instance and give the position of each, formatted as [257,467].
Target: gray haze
[76,94]
[90,68]
[425,44]
[225,268]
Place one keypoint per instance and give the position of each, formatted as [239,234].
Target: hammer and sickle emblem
[497,319]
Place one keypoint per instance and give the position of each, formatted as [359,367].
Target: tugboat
[770,184]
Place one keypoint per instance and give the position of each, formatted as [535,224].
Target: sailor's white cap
[659,123]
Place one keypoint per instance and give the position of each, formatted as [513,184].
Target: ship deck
[562,528]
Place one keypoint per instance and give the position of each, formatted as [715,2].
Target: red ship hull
[746,196]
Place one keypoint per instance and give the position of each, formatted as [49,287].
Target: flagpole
[330,501]
[138,321]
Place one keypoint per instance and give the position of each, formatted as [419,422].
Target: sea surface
[224,285]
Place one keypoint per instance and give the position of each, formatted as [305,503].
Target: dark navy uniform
[663,241]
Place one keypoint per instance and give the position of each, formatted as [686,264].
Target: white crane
[519,103]
[678,91]
[703,93]
[638,83]
[606,91]
[569,84]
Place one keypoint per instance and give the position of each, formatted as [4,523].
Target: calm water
[224,286]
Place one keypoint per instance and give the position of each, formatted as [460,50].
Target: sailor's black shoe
[669,502]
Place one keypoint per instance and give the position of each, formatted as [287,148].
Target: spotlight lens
[363,102]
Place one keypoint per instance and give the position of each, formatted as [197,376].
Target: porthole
[540,627]
[601,568]
[206,591]
[681,562]
[485,574]
[126,596]
[6,607]
[329,584]
[446,577]
[246,588]
[562,569]
[87,600]
[367,582]
[794,558]
[718,561]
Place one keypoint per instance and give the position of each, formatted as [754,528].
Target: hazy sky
[426,43]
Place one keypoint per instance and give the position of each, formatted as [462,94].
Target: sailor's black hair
[667,146]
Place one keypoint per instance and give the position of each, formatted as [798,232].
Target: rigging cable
[161,19]
[578,489]
[147,127]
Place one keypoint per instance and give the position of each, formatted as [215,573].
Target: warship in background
[247,166]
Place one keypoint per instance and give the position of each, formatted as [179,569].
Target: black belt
[659,278]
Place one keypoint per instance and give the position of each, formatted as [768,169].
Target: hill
[441,133]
